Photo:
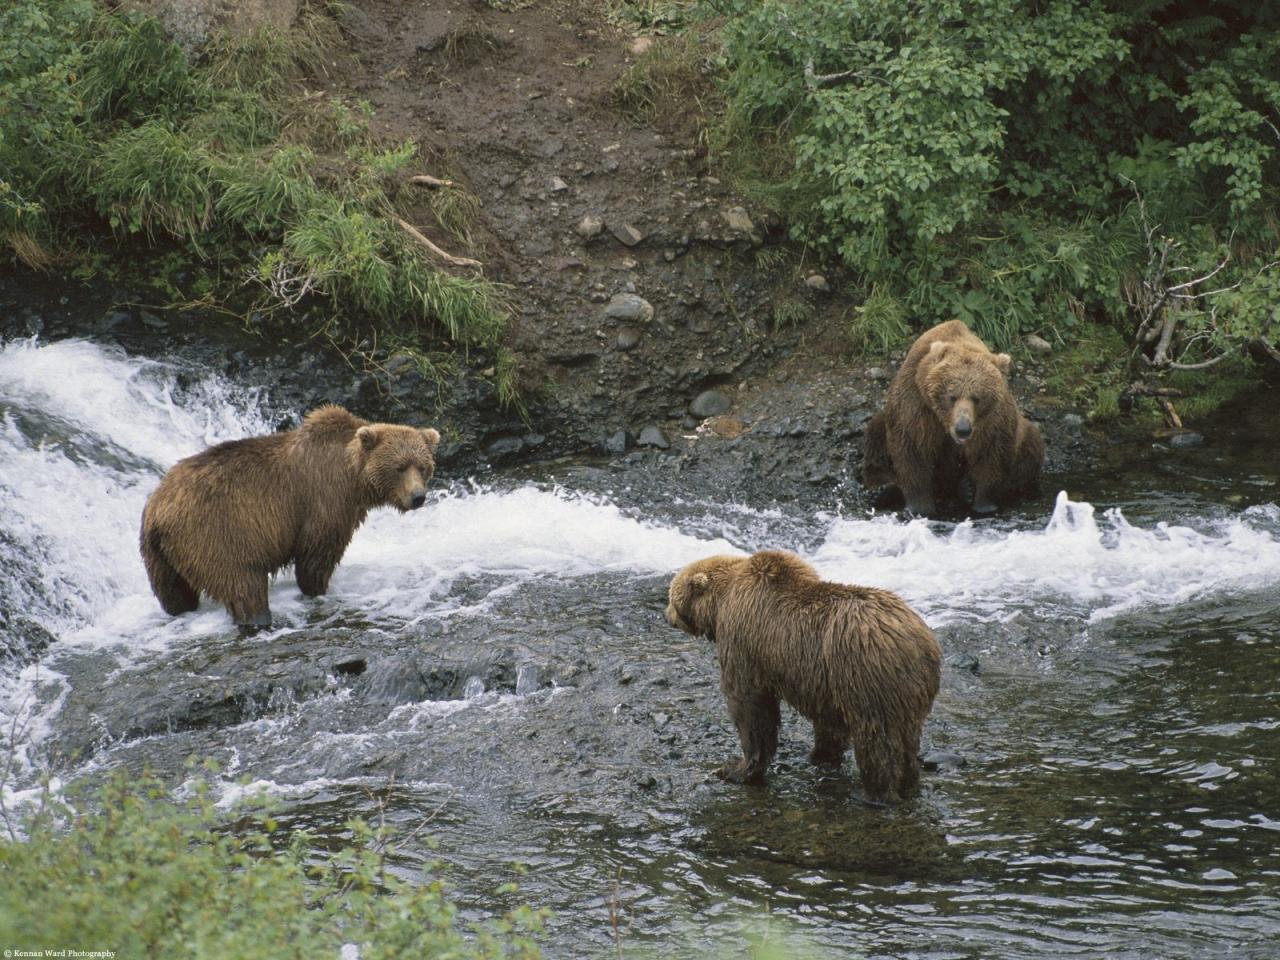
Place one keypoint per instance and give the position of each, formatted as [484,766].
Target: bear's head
[697,591]
[396,463]
[691,599]
[963,386]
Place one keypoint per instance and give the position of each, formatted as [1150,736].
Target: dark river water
[493,675]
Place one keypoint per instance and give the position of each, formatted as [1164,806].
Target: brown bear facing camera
[949,422]
[224,521]
[857,662]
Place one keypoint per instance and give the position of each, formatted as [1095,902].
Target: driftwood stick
[1170,414]
[423,180]
[448,258]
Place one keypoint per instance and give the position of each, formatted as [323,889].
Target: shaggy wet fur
[225,520]
[949,422]
[857,662]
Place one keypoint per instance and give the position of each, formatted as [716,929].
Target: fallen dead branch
[441,255]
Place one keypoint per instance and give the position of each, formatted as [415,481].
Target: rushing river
[497,666]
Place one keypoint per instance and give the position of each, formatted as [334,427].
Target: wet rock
[618,443]
[628,337]
[1038,345]
[710,403]
[589,227]
[504,447]
[1186,439]
[652,436]
[629,308]
[817,283]
[943,760]
[626,234]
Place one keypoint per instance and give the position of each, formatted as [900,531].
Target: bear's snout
[417,499]
[963,429]
[674,619]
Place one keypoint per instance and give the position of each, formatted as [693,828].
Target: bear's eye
[403,467]
[952,398]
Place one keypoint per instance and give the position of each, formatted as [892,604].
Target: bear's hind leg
[880,764]
[173,591]
[247,602]
[757,718]
[829,743]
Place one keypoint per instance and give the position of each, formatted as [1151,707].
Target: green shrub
[1007,162]
[105,124]
[133,871]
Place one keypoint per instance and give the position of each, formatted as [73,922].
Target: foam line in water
[404,564]
[1076,565]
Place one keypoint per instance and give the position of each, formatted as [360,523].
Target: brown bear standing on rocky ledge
[949,421]
[857,662]
[223,521]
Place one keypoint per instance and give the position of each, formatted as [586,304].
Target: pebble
[628,337]
[558,185]
[1038,345]
[817,282]
[1186,439]
[618,443]
[737,220]
[629,308]
[589,227]
[626,234]
[1073,420]
[877,373]
[710,403]
[652,436]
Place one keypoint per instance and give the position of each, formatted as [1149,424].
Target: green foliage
[132,871]
[105,124]
[984,159]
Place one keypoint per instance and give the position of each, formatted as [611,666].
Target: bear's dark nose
[417,500]
[963,429]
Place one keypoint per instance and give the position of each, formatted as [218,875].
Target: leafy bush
[107,125]
[1009,163]
[145,876]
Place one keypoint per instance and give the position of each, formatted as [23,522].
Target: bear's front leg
[757,717]
[314,566]
[988,487]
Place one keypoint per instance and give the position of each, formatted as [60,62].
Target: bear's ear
[938,348]
[1003,362]
[699,582]
[432,436]
[369,436]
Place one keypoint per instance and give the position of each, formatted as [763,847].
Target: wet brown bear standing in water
[949,419]
[223,521]
[857,662]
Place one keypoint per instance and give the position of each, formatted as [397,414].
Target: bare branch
[1199,366]
[815,80]
[448,258]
